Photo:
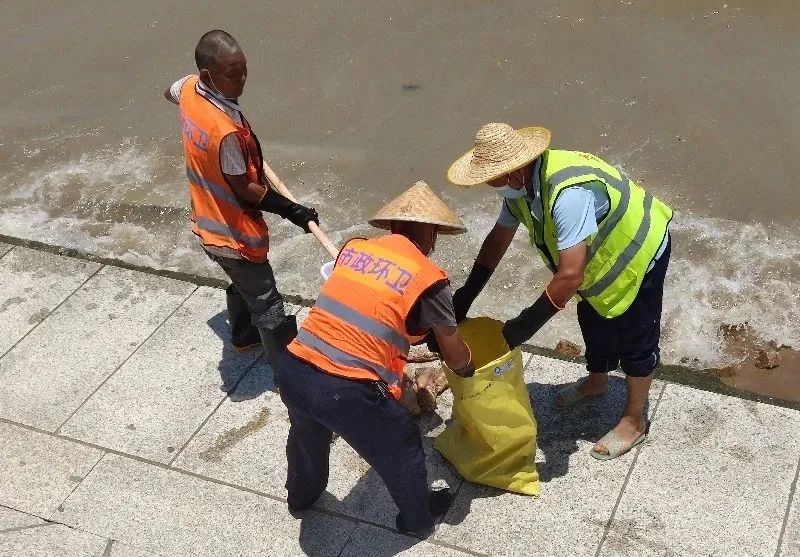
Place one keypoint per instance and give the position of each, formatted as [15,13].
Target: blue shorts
[629,341]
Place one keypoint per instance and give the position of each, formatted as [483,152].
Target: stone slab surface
[244,442]
[79,345]
[51,540]
[10,518]
[170,513]
[376,542]
[723,465]
[578,492]
[32,283]
[5,248]
[39,471]
[301,314]
[791,537]
[122,550]
[163,393]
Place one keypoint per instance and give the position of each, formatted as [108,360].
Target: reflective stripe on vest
[208,225]
[345,359]
[366,324]
[357,327]
[216,190]
[626,240]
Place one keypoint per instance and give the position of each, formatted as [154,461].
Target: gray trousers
[255,307]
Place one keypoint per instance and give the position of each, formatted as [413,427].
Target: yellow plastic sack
[491,439]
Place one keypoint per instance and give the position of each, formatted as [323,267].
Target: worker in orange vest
[224,164]
[342,374]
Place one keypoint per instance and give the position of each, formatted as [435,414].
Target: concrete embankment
[713,380]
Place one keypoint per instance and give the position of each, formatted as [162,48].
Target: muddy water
[354,101]
[762,368]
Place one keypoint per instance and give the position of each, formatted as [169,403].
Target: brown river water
[696,100]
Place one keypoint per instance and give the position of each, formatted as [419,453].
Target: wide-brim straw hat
[419,204]
[499,149]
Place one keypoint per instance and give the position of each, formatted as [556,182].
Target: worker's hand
[301,216]
[528,322]
[454,350]
[464,296]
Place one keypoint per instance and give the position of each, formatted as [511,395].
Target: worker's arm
[267,199]
[245,190]
[454,350]
[173,92]
[492,251]
[169,97]
[494,246]
[569,277]
[565,283]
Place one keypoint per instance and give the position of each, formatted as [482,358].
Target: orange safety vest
[220,218]
[357,328]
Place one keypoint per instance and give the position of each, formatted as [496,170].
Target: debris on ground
[767,358]
[430,382]
[408,399]
[420,354]
[568,348]
[760,367]
[422,384]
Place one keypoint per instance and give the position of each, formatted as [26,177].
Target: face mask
[507,192]
[217,91]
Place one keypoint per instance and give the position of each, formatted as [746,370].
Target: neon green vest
[628,237]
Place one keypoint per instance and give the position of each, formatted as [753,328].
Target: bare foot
[628,430]
[595,384]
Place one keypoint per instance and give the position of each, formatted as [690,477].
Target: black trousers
[255,307]
[255,296]
[371,422]
[631,340]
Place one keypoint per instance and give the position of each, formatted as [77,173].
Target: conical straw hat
[419,204]
[499,149]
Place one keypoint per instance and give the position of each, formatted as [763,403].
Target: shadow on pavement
[230,371]
[558,431]
[258,381]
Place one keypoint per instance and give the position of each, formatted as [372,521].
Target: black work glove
[524,326]
[297,214]
[464,296]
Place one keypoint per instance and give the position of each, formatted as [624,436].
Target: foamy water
[126,202]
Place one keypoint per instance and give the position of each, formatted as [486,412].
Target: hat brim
[419,204]
[444,227]
[466,171]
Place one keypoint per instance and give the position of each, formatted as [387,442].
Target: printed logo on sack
[501,370]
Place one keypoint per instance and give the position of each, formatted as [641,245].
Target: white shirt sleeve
[231,157]
[574,217]
[506,218]
[175,88]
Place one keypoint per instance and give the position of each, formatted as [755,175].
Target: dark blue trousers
[631,340]
[371,422]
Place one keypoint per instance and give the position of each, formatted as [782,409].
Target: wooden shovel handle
[315,230]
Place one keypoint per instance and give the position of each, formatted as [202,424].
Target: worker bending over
[342,374]
[602,236]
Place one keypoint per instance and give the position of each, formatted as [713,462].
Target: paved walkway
[117,438]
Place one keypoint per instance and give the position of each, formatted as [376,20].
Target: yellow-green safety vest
[627,238]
